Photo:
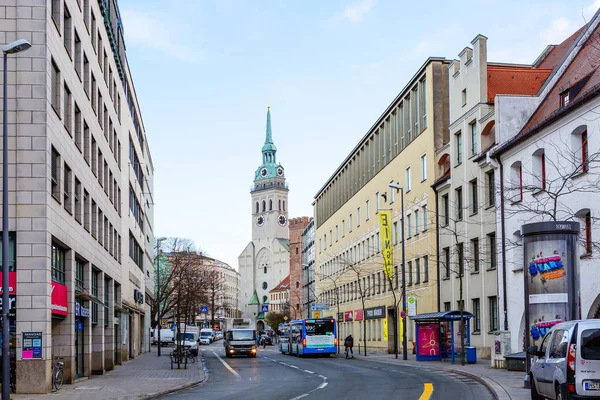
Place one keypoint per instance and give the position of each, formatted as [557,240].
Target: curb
[495,389]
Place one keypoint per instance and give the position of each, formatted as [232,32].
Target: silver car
[567,363]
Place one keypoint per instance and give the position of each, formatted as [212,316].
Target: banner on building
[386,242]
[12,283]
[59,299]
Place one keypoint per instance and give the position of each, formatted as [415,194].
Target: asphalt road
[272,375]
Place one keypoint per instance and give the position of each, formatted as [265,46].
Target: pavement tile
[145,377]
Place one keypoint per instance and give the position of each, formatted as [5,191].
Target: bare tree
[215,289]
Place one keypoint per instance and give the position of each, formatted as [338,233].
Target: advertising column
[551,276]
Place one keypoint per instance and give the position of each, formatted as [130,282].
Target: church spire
[269,167]
[269,139]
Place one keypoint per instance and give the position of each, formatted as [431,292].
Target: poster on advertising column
[550,276]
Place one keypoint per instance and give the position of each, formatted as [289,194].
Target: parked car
[207,336]
[566,365]
[167,336]
[267,338]
[218,335]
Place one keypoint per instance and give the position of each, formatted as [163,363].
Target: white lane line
[293,366]
[227,365]
[322,386]
[301,396]
[310,372]
[322,377]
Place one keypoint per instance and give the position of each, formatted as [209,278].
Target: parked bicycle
[57,374]
[182,356]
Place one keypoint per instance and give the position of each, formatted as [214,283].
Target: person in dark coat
[348,344]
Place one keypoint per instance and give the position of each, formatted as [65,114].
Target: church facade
[266,259]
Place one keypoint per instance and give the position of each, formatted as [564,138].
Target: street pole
[158,298]
[11,48]
[404,345]
[5,269]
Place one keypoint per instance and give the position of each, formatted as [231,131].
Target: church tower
[266,259]
[269,194]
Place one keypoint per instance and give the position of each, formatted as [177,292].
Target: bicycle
[57,374]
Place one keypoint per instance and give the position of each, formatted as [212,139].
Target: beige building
[399,148]
[280,298]
[226,285]
[78,154]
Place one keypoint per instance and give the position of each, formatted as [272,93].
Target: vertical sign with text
[386,242]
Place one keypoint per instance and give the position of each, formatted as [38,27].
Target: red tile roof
[515,80]
[583,70]
[283,285]
[557,53]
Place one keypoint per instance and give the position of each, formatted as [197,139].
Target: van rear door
[587,381]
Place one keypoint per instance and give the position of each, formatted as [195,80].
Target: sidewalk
[145,377]
[505,385]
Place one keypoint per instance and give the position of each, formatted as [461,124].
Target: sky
[205,70]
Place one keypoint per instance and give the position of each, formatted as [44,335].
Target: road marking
[322,385]
[301,396]
[310,372]
[227,365]
[427,391]
[322,377]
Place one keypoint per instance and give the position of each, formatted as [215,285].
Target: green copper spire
[269,167]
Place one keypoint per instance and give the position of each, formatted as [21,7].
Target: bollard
[359,348]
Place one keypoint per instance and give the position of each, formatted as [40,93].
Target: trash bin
[471,355]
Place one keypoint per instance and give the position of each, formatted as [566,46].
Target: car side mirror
[533,350]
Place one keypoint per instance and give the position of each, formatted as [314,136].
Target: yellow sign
[385,330]
[401,330]
[316,314]
[386,242]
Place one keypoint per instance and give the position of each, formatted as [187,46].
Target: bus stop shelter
[435,333]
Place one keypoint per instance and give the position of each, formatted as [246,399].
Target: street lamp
[399,187]
[11,48]
[158,256]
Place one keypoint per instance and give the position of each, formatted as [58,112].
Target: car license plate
[592,386]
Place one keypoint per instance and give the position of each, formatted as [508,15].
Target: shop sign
[31,345]
[340,316]
[412,306]
[375,312]
[81,311]
[347,315]
[12,283]
[59,299]
[138,296]
[358,315]
[12,306]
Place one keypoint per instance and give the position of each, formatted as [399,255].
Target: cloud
[355,12]
[157,34]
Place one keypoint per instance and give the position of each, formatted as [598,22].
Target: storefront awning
[441,316]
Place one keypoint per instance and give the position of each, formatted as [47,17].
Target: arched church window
[297,284]
[264,285]
[270,205]
[279,205]
[264,206]
[257,209]
[264,299]
[265,269]
[284,205]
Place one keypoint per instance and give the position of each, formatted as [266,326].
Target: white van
[567,363]
[167,336]
[207,336]
[189,338]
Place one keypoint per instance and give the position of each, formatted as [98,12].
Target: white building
[77,153]
[548,149]
[266,259]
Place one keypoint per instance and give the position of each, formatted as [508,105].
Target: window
[337,231]
[86,210]
[475,253]
[410,273]
[474,202]
[330,238]
[350,223]
[55,174]
[464,97]
[78,199]
[474,137]
[459,205]
[445,210]
[67,27]
[588,232]
[424,103]
[408,119]
[461,259]
[343,228]
[367,211]
[55,10]
[86,75]
[106,297]
[79,274]
[409,226]
[93,93]
[446,306]
[425,220]
[417,222]
[395,233]
[458,143]
[94,32]
[491,188]
[491,242]
[564,99]
[77,55]
[417,271]
[408,182]
[95,278]
[58,263]
[423,167]
[416,117]
[516,177]
[86,13]
[539,169]
[493,307]
[68,117]
[376,202]
[358,216]
[78,128]
[584,152]
[476,316]
[135,251]
[425,269]
[56,86]
[401,118]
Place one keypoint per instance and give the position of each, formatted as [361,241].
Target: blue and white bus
[312,336]
[284,338]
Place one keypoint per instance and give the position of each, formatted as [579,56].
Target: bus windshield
[319,327]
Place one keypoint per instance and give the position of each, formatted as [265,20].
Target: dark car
[267,338]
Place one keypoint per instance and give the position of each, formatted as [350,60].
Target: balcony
[269,185]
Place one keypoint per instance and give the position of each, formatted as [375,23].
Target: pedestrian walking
[349,344]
